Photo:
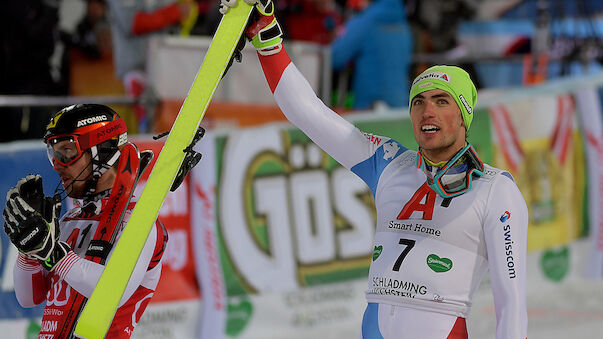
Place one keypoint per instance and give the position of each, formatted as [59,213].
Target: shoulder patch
[490,173]
[390,150]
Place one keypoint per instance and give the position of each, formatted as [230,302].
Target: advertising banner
[174,309]
[589,102]
[539,142]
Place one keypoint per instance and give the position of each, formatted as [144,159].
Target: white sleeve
[335,135]
[31,284]
[83,275]
[505,232]
[297,100]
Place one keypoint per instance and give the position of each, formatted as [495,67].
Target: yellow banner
[539,143]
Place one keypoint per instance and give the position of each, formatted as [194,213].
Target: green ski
[98,313]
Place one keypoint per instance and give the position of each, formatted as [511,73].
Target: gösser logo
[505,216]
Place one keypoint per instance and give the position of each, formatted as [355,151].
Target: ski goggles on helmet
[66,149]
[456,176]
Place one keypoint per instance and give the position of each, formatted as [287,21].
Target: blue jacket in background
[378,42]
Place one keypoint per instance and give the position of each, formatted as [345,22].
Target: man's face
[75,175]
[437,124]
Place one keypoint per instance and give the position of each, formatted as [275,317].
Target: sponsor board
[169,320]
[178,280]
[331,310]
[539,143]
[588,101]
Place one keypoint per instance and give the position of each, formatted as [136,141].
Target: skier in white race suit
[443,217]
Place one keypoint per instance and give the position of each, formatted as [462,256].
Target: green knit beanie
[453,80]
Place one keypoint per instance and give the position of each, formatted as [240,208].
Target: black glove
[31,190]
[58,253]
[31,219]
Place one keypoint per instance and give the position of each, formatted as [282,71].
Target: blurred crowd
[374,43]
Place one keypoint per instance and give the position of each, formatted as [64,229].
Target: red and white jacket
[67,288]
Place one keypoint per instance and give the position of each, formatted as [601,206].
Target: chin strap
[98,169]
[92,204]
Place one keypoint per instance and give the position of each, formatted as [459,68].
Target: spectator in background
[30,64]
[378,42]
[312,20]
[435,26]
[92,36]
[132,23]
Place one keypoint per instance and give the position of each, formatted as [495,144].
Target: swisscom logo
[505,216]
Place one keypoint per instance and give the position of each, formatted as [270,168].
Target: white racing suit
[430,253]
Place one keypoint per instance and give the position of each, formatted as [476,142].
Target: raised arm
[296,98]
[505,232]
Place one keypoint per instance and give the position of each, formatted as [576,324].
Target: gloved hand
[31,219]
[58,253]
[262,30]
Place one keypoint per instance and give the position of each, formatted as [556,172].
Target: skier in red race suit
[60,260]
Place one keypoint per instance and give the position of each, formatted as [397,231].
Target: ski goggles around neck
[455,177]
